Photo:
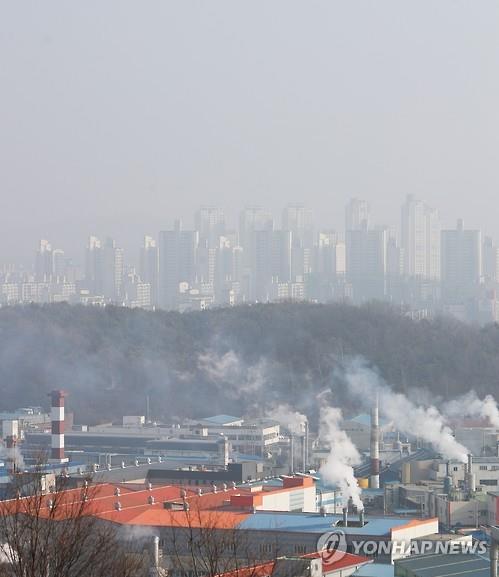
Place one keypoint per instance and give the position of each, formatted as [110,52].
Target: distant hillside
[228,360]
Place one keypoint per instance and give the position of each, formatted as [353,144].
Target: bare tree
[56,534]
[203,542]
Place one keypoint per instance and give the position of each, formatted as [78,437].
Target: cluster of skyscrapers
[422,267]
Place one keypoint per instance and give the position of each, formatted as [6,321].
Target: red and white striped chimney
[57,417]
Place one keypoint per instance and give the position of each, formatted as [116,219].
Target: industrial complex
[264,479]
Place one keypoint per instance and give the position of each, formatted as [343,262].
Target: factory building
[212,441]
[269,532]
[253,437]
[205,477]
[272,519]
[479,440]
[485,471]
[210,450]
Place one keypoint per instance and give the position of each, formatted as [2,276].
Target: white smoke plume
[343,456]
[425,422]
[471,406]
[229,372]
[292,420]
[13,455]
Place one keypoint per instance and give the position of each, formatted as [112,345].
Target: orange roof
[414,523]
[347,560]
[157,516]
[204,510]
[135,508]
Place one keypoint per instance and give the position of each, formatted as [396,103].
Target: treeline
[230,360]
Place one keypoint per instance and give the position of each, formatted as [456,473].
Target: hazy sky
[118,115]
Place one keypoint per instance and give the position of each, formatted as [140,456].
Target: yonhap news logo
[332,547]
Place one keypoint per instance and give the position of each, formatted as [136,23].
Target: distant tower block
[57,417]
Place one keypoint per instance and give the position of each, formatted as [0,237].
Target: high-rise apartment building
[93,266]
[177,263]
[357,215]
[228,272]
[299,220]
[461,264]
[272,262]
[366,262]
[59,263]
[252,219]
[113,271]
[210,224]
[43,261]
[420,235]
[104,269]
[490,259]
[149,267]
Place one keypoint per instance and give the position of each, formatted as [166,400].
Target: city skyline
[130,242]
[424,266]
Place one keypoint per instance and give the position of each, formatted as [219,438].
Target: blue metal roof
[445,565]
[375,570]
[222,419]
[313,523]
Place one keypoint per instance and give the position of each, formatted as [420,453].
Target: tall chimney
[345,516]
[374,482]
[361,518]
[292,454]
[10,445]
[494,551]
[306,465]
[155,553]
[303,455]
[470,477]
[57,416]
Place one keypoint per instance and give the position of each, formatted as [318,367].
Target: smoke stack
[361,518]
[494,553]
[155,552]
[306,466]
[57,416]
[303,455]
[345,517]
[374,481]
[10,445]
[470,477]
[350,505]
[292,454]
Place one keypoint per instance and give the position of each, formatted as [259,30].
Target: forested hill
[228,360]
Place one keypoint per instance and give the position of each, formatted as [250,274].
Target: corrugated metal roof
[375,570]
[222,419]
[446,565]
[314,523]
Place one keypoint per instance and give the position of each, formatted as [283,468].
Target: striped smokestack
[375,446]
[57,417]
